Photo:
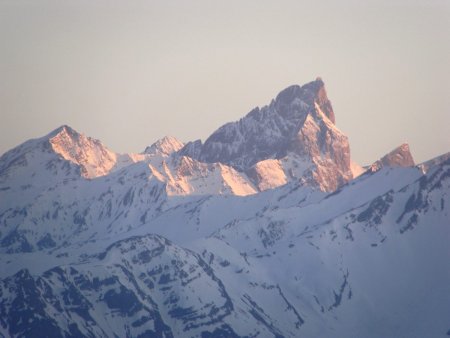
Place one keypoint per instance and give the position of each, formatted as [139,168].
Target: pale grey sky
[130,72]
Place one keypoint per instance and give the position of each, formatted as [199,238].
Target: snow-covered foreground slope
[370,260]
[378,269]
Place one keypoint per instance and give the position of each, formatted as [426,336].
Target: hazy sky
[130,72]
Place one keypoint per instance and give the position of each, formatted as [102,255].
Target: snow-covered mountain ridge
[276,237]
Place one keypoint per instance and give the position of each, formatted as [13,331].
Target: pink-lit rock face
[90,154]
[165,146]
[92,157]
[399,157]
[184,176]
[299,123]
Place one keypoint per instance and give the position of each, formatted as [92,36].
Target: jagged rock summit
[297,128]
[399,157]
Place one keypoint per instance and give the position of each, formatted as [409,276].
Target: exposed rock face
[138,296]
[183,175]
[192,149]
[299,123]
[399,157]
[90,154]
[165,146]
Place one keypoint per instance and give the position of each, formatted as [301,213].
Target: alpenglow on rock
[399,157]
[297,128]
[164,147]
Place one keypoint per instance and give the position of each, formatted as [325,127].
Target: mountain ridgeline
[267,229]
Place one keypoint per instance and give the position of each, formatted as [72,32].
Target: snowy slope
[68,186]
[327,266]
[72,208]
[427,165]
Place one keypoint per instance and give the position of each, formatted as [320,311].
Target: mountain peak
[320,97]
[299,122]
[288,94]
[62,129]
[399,157]
[165,146]
[311,93]
[90,154]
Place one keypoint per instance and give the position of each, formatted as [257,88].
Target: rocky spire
[299,122]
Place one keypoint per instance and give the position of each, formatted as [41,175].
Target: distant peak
[90,154]
[165,146]
[64,128]
[66,137]
[312,92]
[321,98]
[169,138]
[403,147]
[295,89]
[315,85]
[399,157]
